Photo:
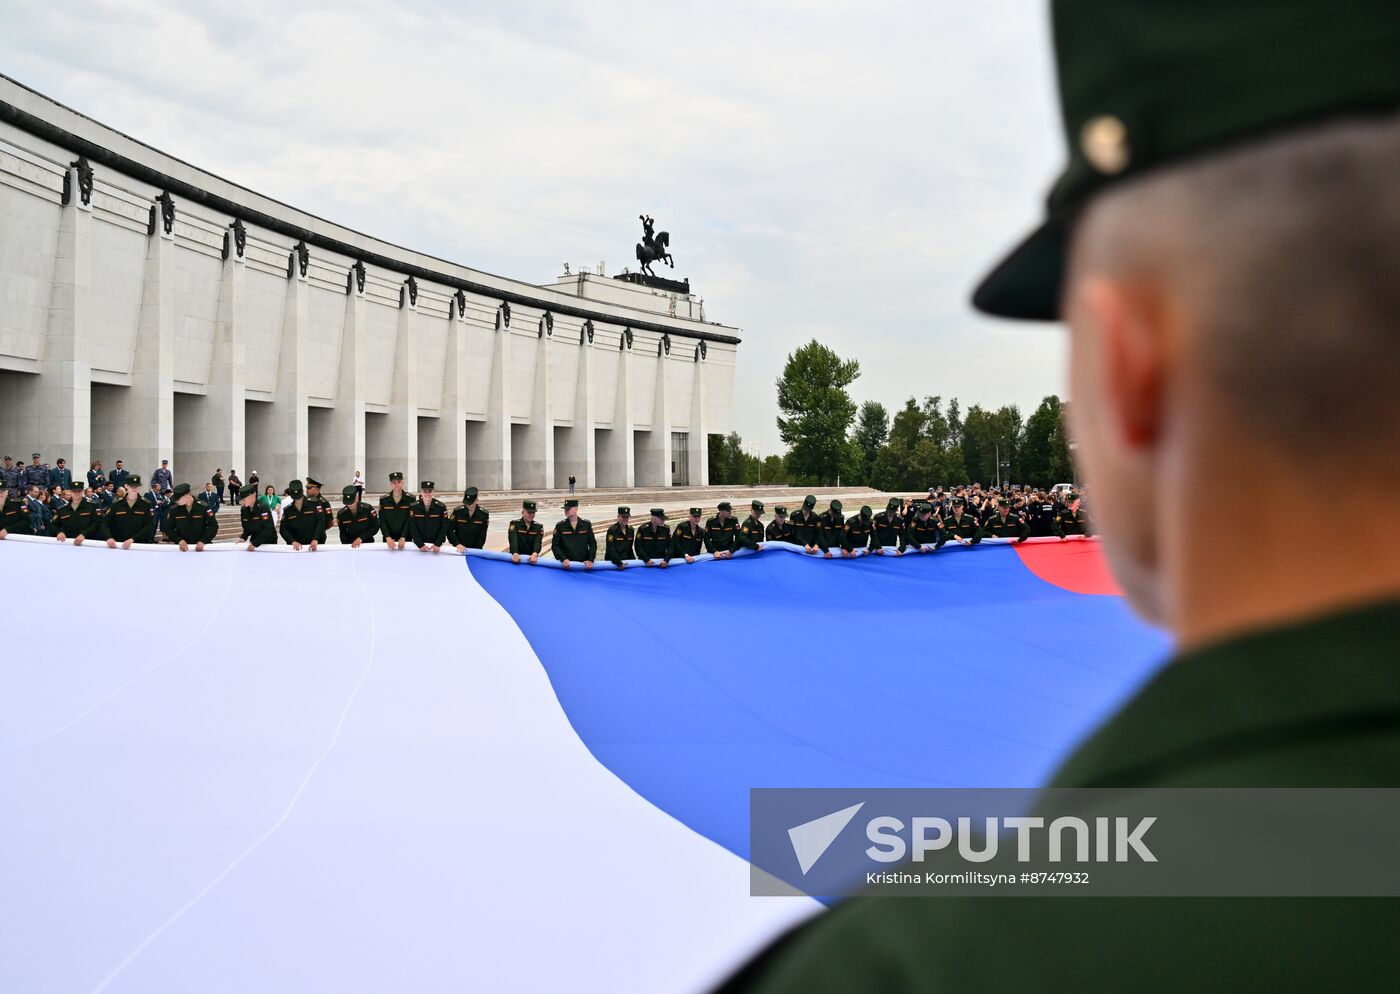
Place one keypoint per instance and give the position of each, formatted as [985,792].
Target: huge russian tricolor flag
[372,771]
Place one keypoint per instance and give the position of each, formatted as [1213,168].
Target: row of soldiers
[398,519]
[919,527]
[302,522]
[129,520]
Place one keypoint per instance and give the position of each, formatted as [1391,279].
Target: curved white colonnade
[153,310]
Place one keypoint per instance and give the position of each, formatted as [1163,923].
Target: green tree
[872,429]
[1045,452]
[816,411]
[773,470]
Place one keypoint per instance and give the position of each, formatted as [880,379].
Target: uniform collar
[1247,694]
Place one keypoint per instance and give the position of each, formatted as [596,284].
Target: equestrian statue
[653,248]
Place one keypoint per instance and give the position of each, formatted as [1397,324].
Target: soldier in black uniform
[923,533]
[751,531]
[1072,520]
[1005,524]
[258,527]
[689,537]
[574,540]
[393,512]
[79,519]
[833,524]
[131,519]
[722,533]
[960,526]
[303,523]
[807,527]
[357,521]
[780,529]
[427,519]
[14,512]
[526,535]
[313,496]
[618,543]
[857,532]
[467,527]
[187,523]
[888,528]
[653,543]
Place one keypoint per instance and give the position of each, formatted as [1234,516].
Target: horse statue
[653,248]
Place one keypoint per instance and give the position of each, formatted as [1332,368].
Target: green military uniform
[134,520]
[780,529]
[689,537]
[468,525]
[1316,704]
[654,538]
[14,516]
[356,522]
[888,526]
[858,531]
[619,539]
[525,537]
[393,513]
[1074,522]
[319,500]
[1010,526]
[574,542]
[193,524]
[722,533]
[806,525]
[85,520]
[833,526]
[427,521]
[259,529]
[923,529]
[302,520]
[751,529]
[959,524]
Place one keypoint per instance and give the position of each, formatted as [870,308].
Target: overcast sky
[843,171]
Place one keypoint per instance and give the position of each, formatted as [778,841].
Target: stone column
[62,397]
[699,440]
[150,429]
[654,458]
[345,444]
[400,439]
[489,462]
[617,458]
[538,455]
[444,454]
[287,443]
[219,437]
[579,454]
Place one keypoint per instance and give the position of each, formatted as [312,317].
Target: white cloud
[826,169]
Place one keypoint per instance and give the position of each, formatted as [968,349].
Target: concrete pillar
[538,451]
[699,439]
[617,465]
[63,394]
[578,456]
[150,427]
[399,442]
[488,462]
[286,443]
[217,436]
[443,456]
[344,441]
[654,457]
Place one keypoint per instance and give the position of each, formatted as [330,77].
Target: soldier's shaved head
[1239,315]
